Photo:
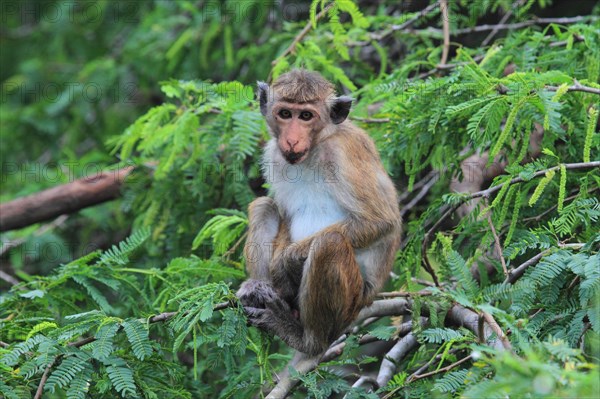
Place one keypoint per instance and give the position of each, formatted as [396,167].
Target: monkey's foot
[256,293]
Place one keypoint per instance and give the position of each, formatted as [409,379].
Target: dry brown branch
[441,370]
[445,12]
[63,199]
[497,243]
[497,330]
[514,274]
[40,388]
[461,316]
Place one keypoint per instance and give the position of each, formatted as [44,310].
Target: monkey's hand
[276,317]
[256,293]
[297,252]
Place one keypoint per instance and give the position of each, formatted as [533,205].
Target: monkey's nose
[292,143]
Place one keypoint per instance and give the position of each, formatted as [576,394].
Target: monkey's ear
[340,109]
[263,92]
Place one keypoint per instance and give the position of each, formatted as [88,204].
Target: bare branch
[63,199]
[461,316]
[40,388]
[301,35]
[370,120]
[449,367]
[505,18]
[385,307]
[576,87]
[497,330]
[517,272]
[8,278]
[497,244]
[388,366]
[424,190]
[446,29]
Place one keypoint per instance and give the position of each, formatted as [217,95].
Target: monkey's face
[296,127]
[298,107]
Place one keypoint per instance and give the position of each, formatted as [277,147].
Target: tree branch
[301,35]
[415,376]
[497,243]
[505,18]
[63,199]
[446,30]
[398,352]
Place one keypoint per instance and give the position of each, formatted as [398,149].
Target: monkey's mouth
[295,157]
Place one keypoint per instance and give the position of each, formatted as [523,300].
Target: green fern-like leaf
[122,379]
[452,381]
[8,392]
[68,369]
[80,385]
[119,255]
[103,346]
[223,229]
[461,271]
[137,334]
[441,335]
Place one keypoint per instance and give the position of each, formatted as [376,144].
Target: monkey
[322,245]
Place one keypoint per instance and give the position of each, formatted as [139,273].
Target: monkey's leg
[263,226]
[331,293]
[330,297]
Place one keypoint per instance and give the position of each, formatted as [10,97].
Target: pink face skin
[296,124]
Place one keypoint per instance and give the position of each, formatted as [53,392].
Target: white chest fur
[310,206]
[303,192]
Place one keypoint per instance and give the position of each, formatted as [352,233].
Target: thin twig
[404,25]
[422,282]
[370,120]
[537,218]
[418,185]
[44,228]
[40,389]
[486,193]
[517,272]
[425,366]
[497,329]
[8,278]
[445,12]
[442,370]
[576,87]
[523,24]
[505,18]
[424,190]
[497,244]
[402,294]
[301,35]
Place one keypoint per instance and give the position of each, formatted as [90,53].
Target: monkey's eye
[306,115]
[285,114]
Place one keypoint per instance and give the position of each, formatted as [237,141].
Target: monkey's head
[298,107]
